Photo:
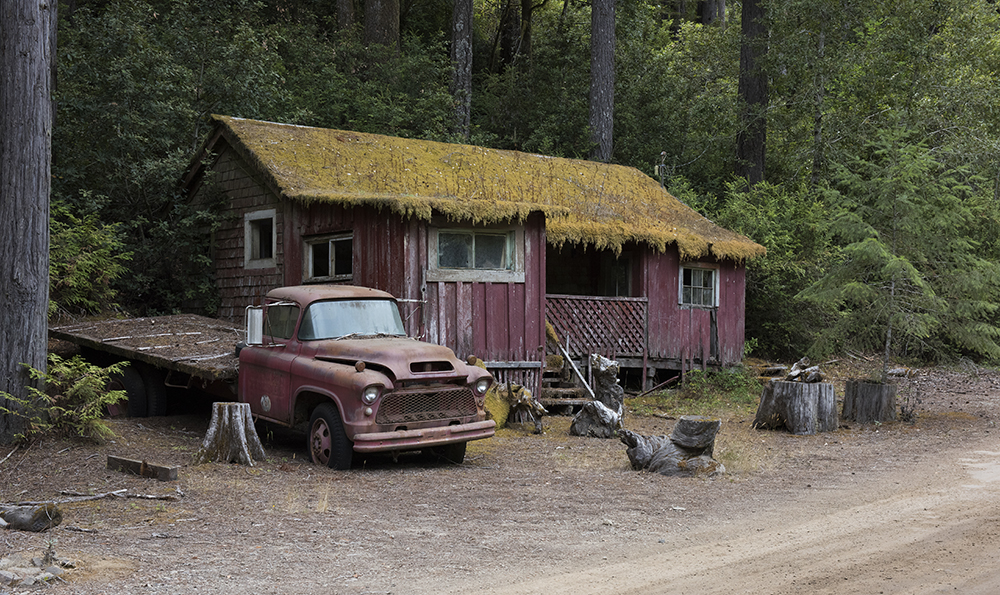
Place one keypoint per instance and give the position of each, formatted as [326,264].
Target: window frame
[251,228]
[514,249]
[715,269]
[329,239]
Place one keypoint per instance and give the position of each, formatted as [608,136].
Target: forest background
[858,141]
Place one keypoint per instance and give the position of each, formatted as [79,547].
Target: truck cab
[336,359]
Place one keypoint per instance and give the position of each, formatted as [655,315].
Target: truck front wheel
[328,443]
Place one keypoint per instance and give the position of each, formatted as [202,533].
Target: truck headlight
[370,394]
[482,386]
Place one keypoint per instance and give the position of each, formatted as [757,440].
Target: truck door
[265,370]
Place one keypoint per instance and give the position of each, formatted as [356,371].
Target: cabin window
[260,239]
[329,258]
[494,254]
[699,287]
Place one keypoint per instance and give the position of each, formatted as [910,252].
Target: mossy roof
[584,202]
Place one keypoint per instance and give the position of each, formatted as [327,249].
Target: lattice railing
[610,326]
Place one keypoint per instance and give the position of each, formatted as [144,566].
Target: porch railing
[611,326]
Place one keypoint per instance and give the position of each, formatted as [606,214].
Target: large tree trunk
[602,78]
[461,59]
[801,407]
[751,141]
[27,57]
[867,402]
[345,14]
[382,23]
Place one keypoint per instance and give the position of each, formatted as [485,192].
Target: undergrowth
[719,393]
[73,401]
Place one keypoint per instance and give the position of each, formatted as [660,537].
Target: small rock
[55,571]
[8,578]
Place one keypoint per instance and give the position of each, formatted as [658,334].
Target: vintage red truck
[331,359]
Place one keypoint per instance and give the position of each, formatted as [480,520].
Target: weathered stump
[36,518]
[802,408]
[687,451]
[231,436]
[867,402]
[606,387]
[596,420]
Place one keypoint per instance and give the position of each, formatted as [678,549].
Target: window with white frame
[329,258]
[476,255]
[259,239]
[699,287]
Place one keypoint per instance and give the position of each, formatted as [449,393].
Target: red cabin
[481,246]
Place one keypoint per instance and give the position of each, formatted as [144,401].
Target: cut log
[686,452]
[696,432]
[231,436]
[34,518]
[868,402]
[802,408]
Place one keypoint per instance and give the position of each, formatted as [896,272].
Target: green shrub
[73,402]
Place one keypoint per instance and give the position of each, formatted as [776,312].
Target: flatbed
[182,345]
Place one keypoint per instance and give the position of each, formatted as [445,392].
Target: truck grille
[412,406]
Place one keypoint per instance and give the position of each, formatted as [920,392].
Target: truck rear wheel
[328,443]
[130,381]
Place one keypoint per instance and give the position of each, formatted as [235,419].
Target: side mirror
[255,325]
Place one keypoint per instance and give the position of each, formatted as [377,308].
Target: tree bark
[802,408]
[382,23]
[751,142]
[345,14]
[231,437]
[602,78]
[461,59]
[27,57]
[866,402]
[712,12]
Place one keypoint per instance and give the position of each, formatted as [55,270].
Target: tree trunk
[382,23]
[231,436]
[751,141]
[345,14]
[712,12]
[866,402]
[461,59]
[802,408]
[602,78]
[27,57]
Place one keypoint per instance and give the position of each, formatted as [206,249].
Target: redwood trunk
[27,51]
[867,402]
[802,408]
[602,78]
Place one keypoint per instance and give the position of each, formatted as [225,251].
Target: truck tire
[156,391]
[328,443]
[131,382]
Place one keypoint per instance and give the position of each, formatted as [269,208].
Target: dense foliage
[880,205]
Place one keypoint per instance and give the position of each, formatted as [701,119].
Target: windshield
[350,318]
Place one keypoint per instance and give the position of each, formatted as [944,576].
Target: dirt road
[896,508]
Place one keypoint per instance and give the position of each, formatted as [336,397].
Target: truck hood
[400,357]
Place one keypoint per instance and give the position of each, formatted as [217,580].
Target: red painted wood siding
[677,333]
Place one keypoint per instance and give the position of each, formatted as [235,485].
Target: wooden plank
[142,468]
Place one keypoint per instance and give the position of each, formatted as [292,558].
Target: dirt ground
[896,508]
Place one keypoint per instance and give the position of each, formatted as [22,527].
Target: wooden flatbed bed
[180,345]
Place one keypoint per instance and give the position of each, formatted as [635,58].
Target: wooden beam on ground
[142,468]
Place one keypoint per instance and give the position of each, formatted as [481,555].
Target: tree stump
[231,436]
[802,408]
[686,452]
[867,402]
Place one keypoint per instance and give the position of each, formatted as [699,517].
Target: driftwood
[867,402]
[35,518]
[802,408]
[231,436]
[687,451]
[596,420]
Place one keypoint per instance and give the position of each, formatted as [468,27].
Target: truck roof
[306,294]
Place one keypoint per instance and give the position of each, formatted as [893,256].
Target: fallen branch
[8,455]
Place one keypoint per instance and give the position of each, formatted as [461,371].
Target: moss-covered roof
[584,202]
